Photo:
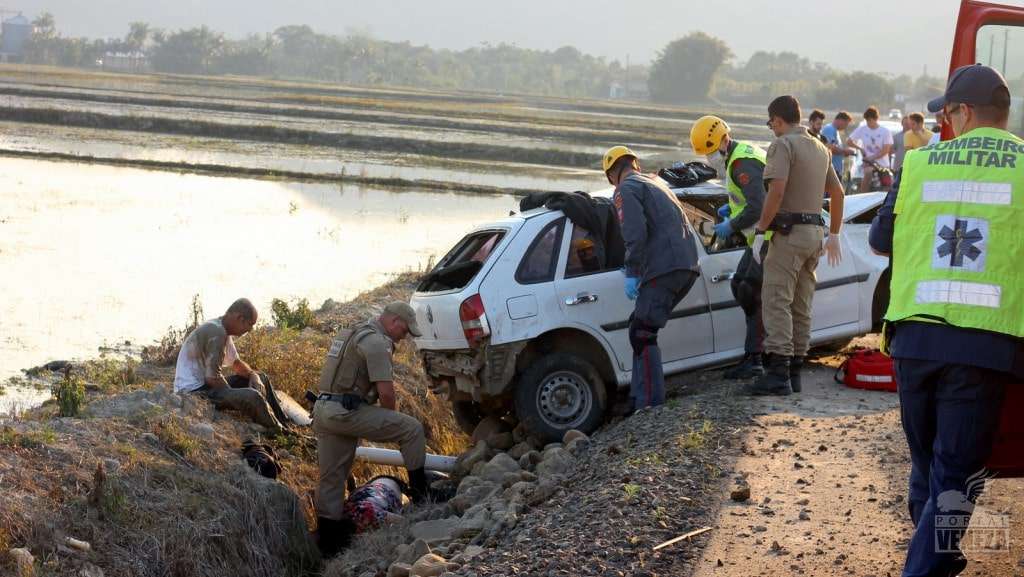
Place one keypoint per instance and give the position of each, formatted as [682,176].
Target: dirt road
[827,473]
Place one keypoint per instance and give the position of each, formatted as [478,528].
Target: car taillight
[474,321]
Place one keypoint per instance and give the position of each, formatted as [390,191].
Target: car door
[836,300]
[837,294]
[993,35]
[592,295]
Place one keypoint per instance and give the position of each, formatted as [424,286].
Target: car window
[1002,47]
[704,224]
[462,263]
[584,254]
[538,264]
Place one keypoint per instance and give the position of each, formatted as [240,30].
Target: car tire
[559,392]
[468,415]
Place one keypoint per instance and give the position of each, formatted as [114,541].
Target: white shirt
[936,137]
[873,141]
[191,370]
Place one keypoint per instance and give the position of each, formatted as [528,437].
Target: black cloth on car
[690,174]
[595,215]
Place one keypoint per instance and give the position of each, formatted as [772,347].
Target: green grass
[110,374]
[296,317]
[696,438]
[175,437]
[632,490]
[27,440]
[70,394]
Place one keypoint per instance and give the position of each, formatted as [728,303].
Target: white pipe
[380,456]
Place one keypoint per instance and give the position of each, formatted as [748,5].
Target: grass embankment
[154,482]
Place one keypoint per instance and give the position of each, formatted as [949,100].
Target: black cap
[971,84]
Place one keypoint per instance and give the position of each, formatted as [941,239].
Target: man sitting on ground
[210,347]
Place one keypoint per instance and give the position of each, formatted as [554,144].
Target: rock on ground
[429,565]
[435,531]
[495,469]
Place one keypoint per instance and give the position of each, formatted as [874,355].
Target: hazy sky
[900,36]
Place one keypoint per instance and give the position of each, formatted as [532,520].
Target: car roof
[711,188]
[853,205]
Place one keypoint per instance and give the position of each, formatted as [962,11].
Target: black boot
[775,380]
[330,537]
[418,488]
[751,366]
[796,364]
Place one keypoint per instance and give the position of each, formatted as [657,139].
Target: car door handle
[723,276]
[580,299]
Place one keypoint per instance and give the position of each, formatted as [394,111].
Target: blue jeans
[950,414]
[658,296]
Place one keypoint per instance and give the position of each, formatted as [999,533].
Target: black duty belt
[785,221]
[347,400]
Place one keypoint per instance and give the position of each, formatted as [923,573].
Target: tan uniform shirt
[374,350]
[804,162]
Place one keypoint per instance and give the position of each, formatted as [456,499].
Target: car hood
[857,204]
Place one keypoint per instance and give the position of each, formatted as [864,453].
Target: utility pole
[627,77]
[1006,42]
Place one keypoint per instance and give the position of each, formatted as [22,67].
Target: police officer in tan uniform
[798,168]
[356,377]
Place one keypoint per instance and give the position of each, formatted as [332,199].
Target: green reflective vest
[737,201]
[958,243]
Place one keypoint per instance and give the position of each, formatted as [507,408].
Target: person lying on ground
[210,347]
[375,504]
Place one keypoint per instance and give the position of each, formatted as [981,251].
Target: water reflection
[309,159]
[93,255]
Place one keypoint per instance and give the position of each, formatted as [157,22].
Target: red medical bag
[868,369]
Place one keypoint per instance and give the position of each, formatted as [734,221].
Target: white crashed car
[517,318]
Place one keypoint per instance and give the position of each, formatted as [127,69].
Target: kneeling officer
[356,375]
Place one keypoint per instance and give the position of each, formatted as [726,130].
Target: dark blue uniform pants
[746,287]
[950,415]
[654,304]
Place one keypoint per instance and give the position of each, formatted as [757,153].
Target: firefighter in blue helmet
[660,265]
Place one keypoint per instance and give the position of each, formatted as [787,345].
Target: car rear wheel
[559,392]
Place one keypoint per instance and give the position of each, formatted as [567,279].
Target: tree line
[301,52]
[698,67]
[691,69]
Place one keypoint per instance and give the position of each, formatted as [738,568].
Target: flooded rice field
[258,188]
[94,255]
[310,160]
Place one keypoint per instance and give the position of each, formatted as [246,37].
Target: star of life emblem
[960,243]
